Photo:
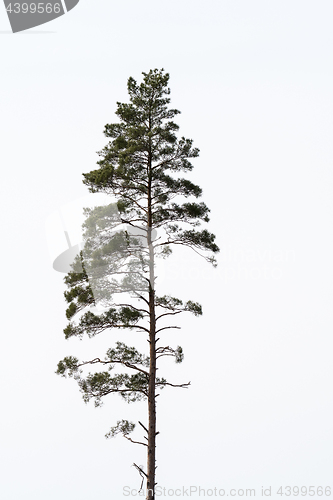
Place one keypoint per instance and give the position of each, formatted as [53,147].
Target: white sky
[253,80]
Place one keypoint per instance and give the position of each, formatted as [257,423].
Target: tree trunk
[151,403]
[152,354]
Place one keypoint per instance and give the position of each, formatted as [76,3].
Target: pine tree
[139,168]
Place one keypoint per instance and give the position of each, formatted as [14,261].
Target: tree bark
[151,403]
[152,343]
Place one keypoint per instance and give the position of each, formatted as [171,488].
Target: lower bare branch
[140,470]
[135,442]
[145,428]
[174,385]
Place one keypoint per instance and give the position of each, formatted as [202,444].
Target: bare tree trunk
[151,403]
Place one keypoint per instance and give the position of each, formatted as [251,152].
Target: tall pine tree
[140,168]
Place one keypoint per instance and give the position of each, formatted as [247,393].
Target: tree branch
[168,314]
[174,385]
[139,469]
[135,442]
[135,308]
[118,361]
[169,328]
[143,427]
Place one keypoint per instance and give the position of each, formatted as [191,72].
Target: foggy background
[253,80]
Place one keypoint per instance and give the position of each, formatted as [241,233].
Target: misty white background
[253,80]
